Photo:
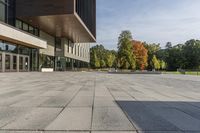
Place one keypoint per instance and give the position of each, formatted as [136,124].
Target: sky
[153,21]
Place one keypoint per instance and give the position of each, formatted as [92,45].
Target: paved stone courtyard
[81,102]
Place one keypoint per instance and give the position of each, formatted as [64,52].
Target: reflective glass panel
[18,24]
[7,62]
[11,48]
[0,62]
[14,62]
[20,63]
[2,11]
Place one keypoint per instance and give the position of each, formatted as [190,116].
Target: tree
[141,55]
[97,53]
[101,57]
[191,53]
[168,45]
[163,65]
[155,63]
[96,62]
[110,59]
[175,59]
[102,64]
[152,50]
[126,58]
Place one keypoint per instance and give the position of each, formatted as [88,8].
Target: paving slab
[9,114]
[104,102]
[81,101]
[37,119]
[73,119]
[110,118]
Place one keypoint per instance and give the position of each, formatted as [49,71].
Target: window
[46,61]
[2,11]
[78,51]
[31,30]
[24,50]
[14,62]
[11,48]
[18,24]
[20,63]
[58,44]
[68,46]
[37,32]
[7,62]
[75,49]
[25,27]
[2,46]
[0,62]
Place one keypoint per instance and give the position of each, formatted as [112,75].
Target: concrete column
[17,63]
[28,63]
[11,63]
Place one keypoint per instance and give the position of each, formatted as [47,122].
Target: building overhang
[68,25]
[14,35]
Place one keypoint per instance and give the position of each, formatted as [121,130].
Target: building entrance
[10,62]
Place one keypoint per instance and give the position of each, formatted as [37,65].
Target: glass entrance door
[7,63]
[14,63]
[1,62]
[24,63]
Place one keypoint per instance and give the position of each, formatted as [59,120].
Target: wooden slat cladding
[86,9]
[28,8]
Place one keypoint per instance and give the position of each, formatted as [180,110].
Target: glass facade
[46,61]
[7,11]
[2,10]
[11,51]
[65,63]
[1,62]
[26,27]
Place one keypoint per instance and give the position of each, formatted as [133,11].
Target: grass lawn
[186,73]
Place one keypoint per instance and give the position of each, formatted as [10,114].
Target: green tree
[152,50]
[163,65]
[103,64]
[110,59]
[155,63]
[175,58]
[191,53]
[126,58]
[96,62]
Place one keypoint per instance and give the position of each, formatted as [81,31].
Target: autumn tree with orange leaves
[141,54]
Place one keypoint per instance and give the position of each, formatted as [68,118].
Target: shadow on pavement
[155,116]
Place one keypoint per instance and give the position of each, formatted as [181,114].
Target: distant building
[37,34]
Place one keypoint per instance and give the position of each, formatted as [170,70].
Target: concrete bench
[47,70]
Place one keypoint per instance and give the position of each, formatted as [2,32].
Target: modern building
[36,34]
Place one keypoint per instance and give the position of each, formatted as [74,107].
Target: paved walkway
[98,103]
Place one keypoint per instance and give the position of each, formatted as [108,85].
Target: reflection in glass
[26,63]
[18,24]
[7,62]
[14,63]
[2,46]
[23,50]
[25,27]
[46,61]
[10,47]
[0,62]
[34,60]
[20,63]
[2,12]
